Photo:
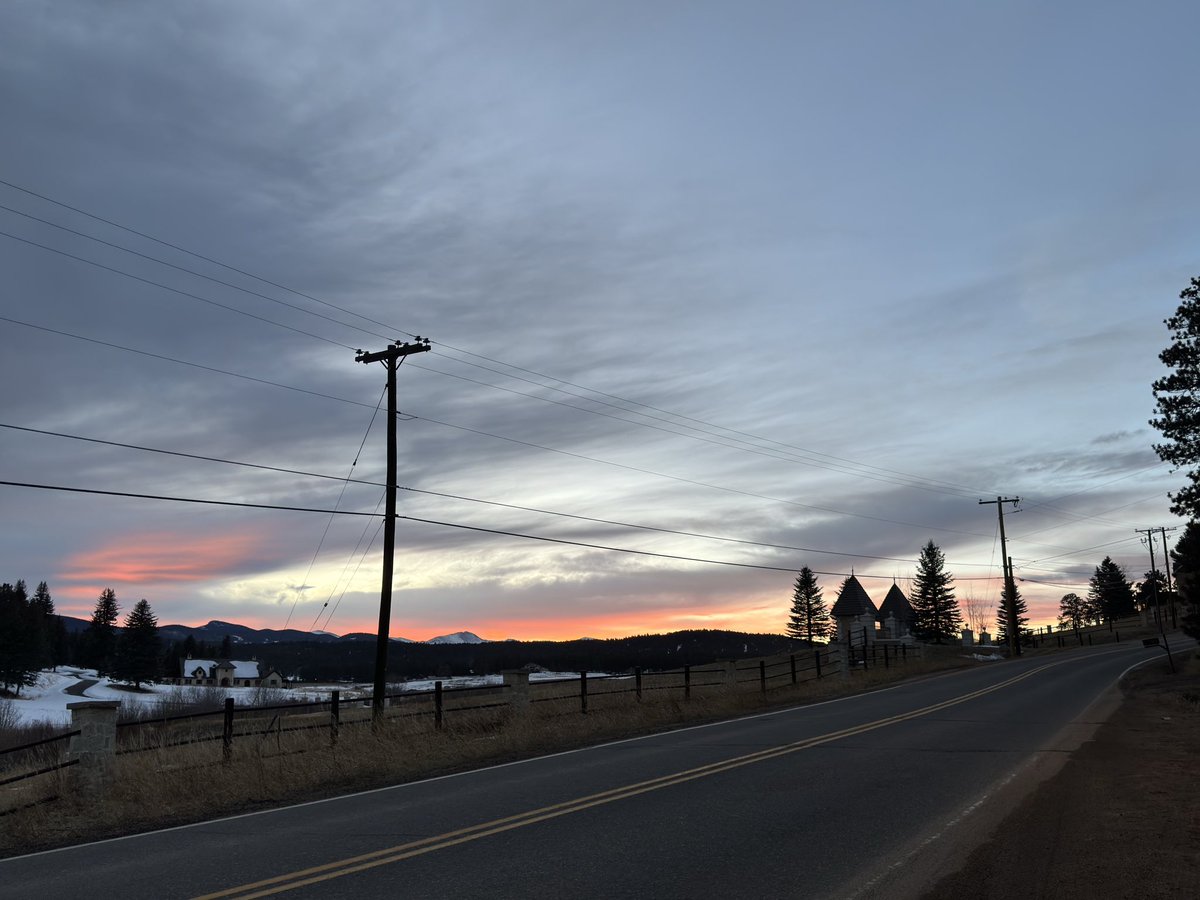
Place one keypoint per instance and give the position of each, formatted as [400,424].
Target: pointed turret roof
[897,604]
[853,601]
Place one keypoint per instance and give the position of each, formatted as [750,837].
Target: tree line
[937,617]
[33,637]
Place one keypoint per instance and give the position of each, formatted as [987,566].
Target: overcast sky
[815,278]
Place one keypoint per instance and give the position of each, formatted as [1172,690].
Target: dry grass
[156,787]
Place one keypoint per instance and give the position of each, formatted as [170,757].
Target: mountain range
[217,630]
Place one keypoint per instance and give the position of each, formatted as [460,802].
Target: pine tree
[1178,400]
[937,618]
[99,642]
[138,649]
[1110,595]
[1072,611]
[1186,559]
[19,649]
[809,618]
[49,626]
[1022,610]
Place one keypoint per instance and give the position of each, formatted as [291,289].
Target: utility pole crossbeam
[391,359]
[1010,601]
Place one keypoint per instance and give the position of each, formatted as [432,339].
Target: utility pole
[1167,565]
[1010,601]
[391,359]
[1148,540]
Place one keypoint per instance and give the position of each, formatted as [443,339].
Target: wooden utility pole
[1010,589]
[1167,565]
[391,359]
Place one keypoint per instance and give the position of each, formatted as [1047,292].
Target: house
[227,673]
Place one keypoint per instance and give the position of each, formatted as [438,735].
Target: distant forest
[354,661]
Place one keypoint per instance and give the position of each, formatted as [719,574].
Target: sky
[748,286]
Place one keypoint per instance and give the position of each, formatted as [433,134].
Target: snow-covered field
[47,700]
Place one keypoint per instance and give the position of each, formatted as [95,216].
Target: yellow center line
[400,852]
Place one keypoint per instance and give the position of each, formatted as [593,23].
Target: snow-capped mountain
[459,637]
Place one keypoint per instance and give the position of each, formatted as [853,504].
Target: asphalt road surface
[868,796]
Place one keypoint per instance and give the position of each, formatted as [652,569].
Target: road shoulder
[1120,818]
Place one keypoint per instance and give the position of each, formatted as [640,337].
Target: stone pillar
[968,638]
[517,681]
[95,747]
[985,639]
[730,673]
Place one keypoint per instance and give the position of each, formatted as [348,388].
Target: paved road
[863,796]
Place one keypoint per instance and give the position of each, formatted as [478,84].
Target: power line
[707,425]
[173,290]
[424,521]
[497,436]
[461,497]
[336,506]
[178,268]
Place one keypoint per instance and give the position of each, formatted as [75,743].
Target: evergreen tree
[50,629]
[1177,396]
[937,618]
[809,618]
[1110,595]
[1152,593]
[1022,610]
[1072,611]
[1186,560]
[138,649]
[99,643]
[226,647]
[19,649]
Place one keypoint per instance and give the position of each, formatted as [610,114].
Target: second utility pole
[391,358]
[1010,589]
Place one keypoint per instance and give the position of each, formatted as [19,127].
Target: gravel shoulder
[1121,818]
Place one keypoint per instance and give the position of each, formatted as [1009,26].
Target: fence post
[1118,635]
[865,648]
[817,658]
[517,681]
[335,706]
[886,663]
[95,747]
[583,692]
[762,676]
[1089,639]
[904,652]
[687,682]
[227,732]
[792,659]
[437,704]
[637,681]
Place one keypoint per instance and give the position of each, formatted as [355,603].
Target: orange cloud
[159,558]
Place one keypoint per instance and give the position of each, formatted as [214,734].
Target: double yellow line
[400,852]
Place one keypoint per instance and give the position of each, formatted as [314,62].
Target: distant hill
[216,631]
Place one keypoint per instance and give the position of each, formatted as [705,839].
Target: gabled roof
[242,668]
[853,601]
[897,604]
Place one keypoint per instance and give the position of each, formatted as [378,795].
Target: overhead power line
[910,480]
[460,497]
[460,525]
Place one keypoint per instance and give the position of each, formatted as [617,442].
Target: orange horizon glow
[147,560]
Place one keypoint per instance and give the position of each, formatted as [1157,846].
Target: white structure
[227,673]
